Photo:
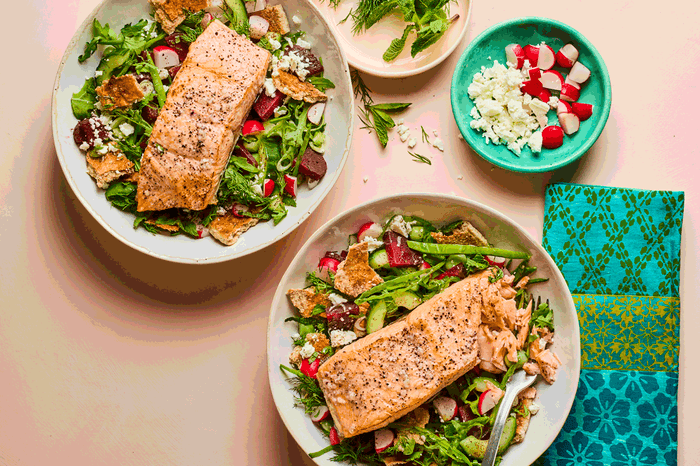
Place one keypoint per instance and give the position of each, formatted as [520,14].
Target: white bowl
[71,76]
[555,400]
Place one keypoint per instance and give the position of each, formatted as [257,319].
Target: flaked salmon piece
[170,13]
[200,122]
[391,372]
[546,360]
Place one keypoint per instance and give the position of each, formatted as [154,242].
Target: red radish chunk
[545,95]
[569,93]
[252,127]
[370,229]
[339,316]
[552,79]
[239,209]
[488,400]
[328,263]
[515,55]
[173,71]
[268,187]
[572,83]
[176,42]
[446,408]
[581,110]
[312,165]
[339,256]
[569,122]
[310,368]
[316,112]
[400,255]
[333,436]
[383,439]
[424,266]
[531,54]
[241,151]
[457,271]
[567,56]
[165,57]
[534,73]
[564,107]
[258,27]
[320,413]
[579,73]
[290,185]
[312,63]
[89,129]
[532,87]
[552,137]
[207,19]
[265,106]
[546,57]
[495,261]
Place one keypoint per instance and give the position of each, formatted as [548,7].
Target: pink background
[108,356]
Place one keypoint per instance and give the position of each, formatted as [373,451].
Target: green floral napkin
[619,250]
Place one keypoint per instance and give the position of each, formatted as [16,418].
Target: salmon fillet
[201,120]
[378,379]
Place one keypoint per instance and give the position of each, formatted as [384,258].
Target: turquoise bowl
[489,46]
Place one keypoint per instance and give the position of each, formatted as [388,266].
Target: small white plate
[339,117]
[365,50]
[555,400]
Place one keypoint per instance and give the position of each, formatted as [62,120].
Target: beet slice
[313,165]
[339,316]
[241,151]
[400,255]
[265,106]
[89,129]
[336,255]
[456,271]
[313,64]
[177,42]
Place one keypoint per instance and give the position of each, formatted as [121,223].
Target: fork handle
[498,426]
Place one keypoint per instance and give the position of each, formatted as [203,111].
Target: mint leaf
[397,45]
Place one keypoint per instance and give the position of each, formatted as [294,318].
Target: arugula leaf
[543,316]
[122,195]
[83,102]
[397,45]
[322,84]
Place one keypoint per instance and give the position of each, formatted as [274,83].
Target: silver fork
[519,382]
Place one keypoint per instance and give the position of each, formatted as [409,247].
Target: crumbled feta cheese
[435,133]
[293,63]
[276,45]
[295,336]
[534,408]
[365,179]
[335,298]
[99,73]
[303,44]
[220,211]
[84,146]
[126,129]
[257,189]
[102,150]
[404,132]
[163,73]
[399,225]
[553,101]
[460,177]
[269,87]
[341,337]
[412,143]
[372,243]
[307,350]
[400,121]
[438,144]
[279,111]
[535,142]
[296,20]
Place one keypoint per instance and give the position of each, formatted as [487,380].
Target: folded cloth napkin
[619,251]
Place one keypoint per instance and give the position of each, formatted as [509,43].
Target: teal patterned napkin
[619,250]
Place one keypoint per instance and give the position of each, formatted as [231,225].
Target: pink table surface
[108,356]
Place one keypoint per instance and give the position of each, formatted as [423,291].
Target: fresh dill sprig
[308,391]
[420,158]
[424,135]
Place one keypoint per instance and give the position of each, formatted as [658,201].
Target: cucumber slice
[379,259]
[417,233]
[407,299]
[476,448]
[375,317]
[108,65]
[240,16]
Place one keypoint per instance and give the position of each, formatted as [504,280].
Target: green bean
[447,249]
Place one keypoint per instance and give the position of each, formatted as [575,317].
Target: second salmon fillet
[201,120]
[389,373]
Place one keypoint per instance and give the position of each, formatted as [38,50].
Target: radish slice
[534,73]
[552,137]
[446,407]
[333,436]
[579,73]
[552,79]
[207,19]
[383,439]
[544,96]
[495,261]
[572,83]
[202,231]
[546,57]
[424,266]
[239,209]
[252,127]
[258,27]
[165,57]
[515,55]
[316,112]
[371,229]
[290,185]
[320,413]
[532,87]
[581,110]
[328,263]
[569,93]
[567,56]
[268,187]
[310,368]
[489,399]
[569,122]
[563,107]
[531,53]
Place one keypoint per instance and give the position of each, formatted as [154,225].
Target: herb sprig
[420,158]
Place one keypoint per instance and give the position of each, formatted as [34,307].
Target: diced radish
[515,55]
[290,185]
[329,263]
[310,368]
[446,408]
[383,439]
[532,87]
[258,27]
[579,73]
[569,93]
[320,413]
[400,255]
[239,209]
[165,57]
[316,112]
[582,111]
[202,231]
[567,56]
[534,73]
[252,127]
[424,266]
[489,399]
[544,96]
[495,261]
[546,57]
[371,229]
[563,107]
[207,19]
[268,187]
[531,53]
[552,137]
[552,79]
[457,271]
[572,83]
[333,436]
[570,122]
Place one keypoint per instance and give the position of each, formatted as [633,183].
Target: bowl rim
[424,68]
[470,136]
[172,257]
[280,294]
